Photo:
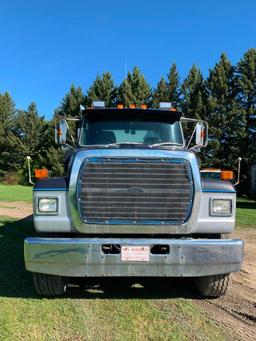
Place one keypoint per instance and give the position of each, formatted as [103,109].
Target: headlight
[49,205]
[221,207]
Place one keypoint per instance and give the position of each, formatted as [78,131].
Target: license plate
[135,253]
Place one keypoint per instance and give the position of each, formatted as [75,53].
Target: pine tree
[174,90]
[160,94]
[125,93]
[134,89]
[70,107]
[246,84]
[8,141]
[193,102]
[51,155]
[53,160]
[102,89]
[168,91]
[31,132]
[36,139]
[194,94]
[71,102]
[227,128]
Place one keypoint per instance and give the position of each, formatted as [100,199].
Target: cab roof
[159,115]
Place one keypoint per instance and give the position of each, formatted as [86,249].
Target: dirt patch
[236,311]
[16,209]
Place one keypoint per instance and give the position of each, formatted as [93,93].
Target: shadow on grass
[15,281]
[246,204]
[154,288]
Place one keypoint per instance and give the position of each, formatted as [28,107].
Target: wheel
[48,285]
[212,286]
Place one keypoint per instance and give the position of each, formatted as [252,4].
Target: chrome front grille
[135,191]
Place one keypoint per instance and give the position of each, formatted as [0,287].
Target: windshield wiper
[165,144]
[120,144]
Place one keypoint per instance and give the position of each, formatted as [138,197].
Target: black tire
[48,285]
[212,286]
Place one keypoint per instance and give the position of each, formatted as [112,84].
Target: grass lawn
[160,310]
[15,193]
[246,213]
[110,312]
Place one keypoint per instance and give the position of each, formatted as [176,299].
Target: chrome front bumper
[83,257]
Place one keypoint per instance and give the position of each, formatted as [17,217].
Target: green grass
[246,213]
[159,311]
[15,193]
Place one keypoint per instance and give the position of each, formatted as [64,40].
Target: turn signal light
[41,173]
[143,106]
[132,106]
[120,106]
[226,175]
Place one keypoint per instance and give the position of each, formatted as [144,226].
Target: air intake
[129,191]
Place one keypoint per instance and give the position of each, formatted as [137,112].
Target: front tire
[212,286]
[48,285]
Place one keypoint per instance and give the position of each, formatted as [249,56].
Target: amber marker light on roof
[132,106]
[226,175]
[120,106]
[143,106]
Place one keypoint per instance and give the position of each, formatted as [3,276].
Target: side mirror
[61,132]
[201,134]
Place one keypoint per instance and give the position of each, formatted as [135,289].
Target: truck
[133,205]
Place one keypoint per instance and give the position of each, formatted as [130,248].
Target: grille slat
[122,209]
[129,204]
[100,179]
[145,186]
[118,183]
[135,190]
[157,174]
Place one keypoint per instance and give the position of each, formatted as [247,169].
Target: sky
[47,45]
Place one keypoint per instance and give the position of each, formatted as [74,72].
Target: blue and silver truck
[133,204]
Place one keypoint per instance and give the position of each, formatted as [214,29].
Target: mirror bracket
[200,132]
[61,129]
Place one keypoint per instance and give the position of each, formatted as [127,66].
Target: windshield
[104,132]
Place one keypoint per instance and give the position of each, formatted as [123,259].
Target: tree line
[226,99]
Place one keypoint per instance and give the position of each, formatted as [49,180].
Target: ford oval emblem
[135,190]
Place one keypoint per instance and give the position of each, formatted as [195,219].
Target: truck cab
[133,204]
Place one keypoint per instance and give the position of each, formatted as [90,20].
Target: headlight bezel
[47,212]
[220,214]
